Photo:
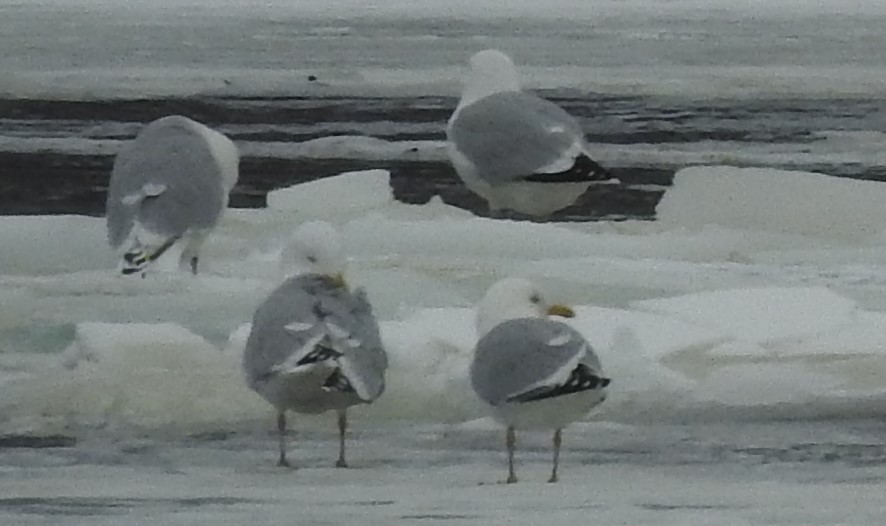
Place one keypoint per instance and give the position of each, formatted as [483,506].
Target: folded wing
[529,359]
[517,136]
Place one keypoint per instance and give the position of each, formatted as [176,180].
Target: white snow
[689,318]
[423,481]
[759,315]
[756,384]
[142,375]
[776,201]
[66,242]
[429,355]
[320,199]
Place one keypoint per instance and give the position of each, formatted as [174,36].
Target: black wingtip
[581,379]
[139,256]
[338,382]
[584,170]
[320,353]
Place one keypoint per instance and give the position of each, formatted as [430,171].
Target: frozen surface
[747,371]
[743,335]
[319,199]
[760,315]
[674,308]
[778,201]
[163,373]
[824,473]
[103,48]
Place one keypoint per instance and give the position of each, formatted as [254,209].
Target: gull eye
[535,298]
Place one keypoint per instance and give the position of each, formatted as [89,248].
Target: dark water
[62,178]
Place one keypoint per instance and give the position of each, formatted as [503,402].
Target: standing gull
[315,345]
[533,372]
[516,150]
[168,190]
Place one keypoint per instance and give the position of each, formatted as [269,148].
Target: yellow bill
[339,280]
[561,310]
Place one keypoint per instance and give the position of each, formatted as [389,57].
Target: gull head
[314,248]
[513,298]
[491,72]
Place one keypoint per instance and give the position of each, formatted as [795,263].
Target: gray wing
[270,343]
[308,315]
[367,361]
[527,359]
[167,179]
[515,135]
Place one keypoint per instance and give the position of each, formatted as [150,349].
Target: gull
[168,190]
[315,344]
[532,372]
[515,150]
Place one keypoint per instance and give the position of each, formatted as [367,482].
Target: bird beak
[339,280]
[561,310]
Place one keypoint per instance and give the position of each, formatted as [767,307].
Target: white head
[315,248]
[491,72]
[513,298]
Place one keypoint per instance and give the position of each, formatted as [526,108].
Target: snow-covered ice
[777,201]
[317,199]
[106,48]
[670,310]
[713,334]
[743,329]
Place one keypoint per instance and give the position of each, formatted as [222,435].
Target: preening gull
[168,190]
[315,344]
[533,372]
[514,149]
